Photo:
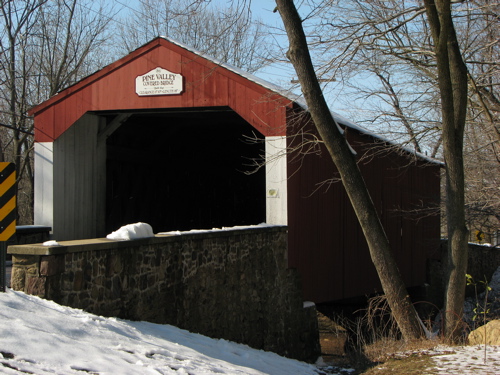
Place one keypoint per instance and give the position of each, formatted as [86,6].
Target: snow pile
[41,337]
[237,227]
[51,243]
[132,232]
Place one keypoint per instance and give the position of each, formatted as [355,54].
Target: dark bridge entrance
[180,170]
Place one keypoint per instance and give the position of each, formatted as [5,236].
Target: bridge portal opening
[182,170]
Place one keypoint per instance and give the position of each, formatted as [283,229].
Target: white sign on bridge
[158,81]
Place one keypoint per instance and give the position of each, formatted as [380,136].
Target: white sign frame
[159,81]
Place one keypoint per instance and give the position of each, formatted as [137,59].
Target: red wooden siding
[326,243]
[206,84]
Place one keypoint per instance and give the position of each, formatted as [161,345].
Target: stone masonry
[230,284]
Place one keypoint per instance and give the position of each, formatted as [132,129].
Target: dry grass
[411,365]
[390,357]
[387,349]
[374,344]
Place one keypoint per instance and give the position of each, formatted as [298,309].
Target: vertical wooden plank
[59,189]
[100,182]
[44,184]
[75,212]
[315,226]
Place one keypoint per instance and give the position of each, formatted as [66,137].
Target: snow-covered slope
[41,337]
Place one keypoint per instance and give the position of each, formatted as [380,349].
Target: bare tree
[452,79]
[481,44]
[2,137]
[228,34]
[67,36]
[482,176]
[45,45]
[384,32]
[391,45]
[340,152]
[17,20]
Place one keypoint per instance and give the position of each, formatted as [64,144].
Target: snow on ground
[41,337]
[463,360]
[467,360]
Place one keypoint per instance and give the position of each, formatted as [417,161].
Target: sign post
[7,214]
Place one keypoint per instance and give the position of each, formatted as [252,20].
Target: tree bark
[380,252]
[452,79]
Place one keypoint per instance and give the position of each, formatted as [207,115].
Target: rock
[325,324]
[495,282]
[332,337]
[492,330]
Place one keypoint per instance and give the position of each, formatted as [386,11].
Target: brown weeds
[374,338]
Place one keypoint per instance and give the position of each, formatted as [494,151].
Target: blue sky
[279,73]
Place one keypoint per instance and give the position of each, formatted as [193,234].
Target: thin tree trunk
[452,78]
[380,252]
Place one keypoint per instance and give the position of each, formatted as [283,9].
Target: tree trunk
[452,78]
[380,252]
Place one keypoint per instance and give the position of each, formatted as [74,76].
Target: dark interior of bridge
[182,170]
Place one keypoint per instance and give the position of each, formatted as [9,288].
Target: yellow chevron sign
[7,201]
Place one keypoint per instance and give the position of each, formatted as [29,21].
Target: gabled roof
[140,50]
[207,84]
[268,101]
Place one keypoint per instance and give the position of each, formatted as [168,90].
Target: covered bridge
[173,138]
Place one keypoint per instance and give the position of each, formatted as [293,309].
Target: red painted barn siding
[316,223]
[399,186]
[205,85]
[326,243]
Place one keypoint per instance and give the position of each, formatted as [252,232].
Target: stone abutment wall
[231,284]
[482,262]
